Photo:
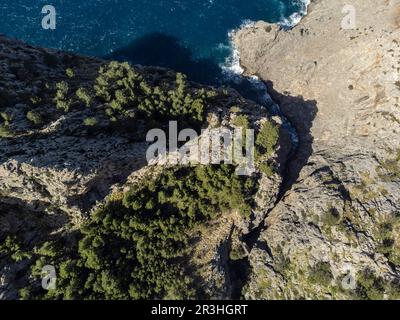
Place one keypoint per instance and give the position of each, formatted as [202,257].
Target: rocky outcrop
[340,88]
[332,214]
[61,158]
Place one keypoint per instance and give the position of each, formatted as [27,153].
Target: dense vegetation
[5,130]
[116,93]
[266,141]
[134,246]
[12,248]
[372,287]
[124,94]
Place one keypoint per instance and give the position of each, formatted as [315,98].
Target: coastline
[234,71]
[232,62]
[296,17]
[338,88]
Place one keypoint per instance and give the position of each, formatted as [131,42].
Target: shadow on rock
[159,49]
[26,226]
[301,113]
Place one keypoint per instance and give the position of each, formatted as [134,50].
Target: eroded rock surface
[340,89]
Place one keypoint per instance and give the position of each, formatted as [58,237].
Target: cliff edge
[78,193]
[338,83]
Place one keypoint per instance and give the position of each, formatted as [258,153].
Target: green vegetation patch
[12,247]
[266,141]
[372,287]
[388,239]
[34,117]
[5,130]
[125,91]
[390,168]
[134,246]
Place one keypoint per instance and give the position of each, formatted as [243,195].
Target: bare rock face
[61,158]
[340,89]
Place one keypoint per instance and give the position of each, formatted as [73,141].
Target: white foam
[231,67]
[296,17]
[232,70]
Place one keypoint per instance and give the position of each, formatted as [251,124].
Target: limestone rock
[54,173]
[340,88]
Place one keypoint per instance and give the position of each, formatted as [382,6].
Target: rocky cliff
[73,146]
[335,232]
[318,221]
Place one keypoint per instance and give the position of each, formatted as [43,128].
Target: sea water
[190,36]
[187,35]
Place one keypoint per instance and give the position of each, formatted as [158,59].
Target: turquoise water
[181,34]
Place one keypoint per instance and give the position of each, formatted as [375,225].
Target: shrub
[266,169]
[12,248]
[34,117]
[267,138]
[122,89]
[36,100]
[5,131]
[62,89]
[237,253]
[70,73]
[6,118]
[390,168]
[242,121]
[63,105]
[234,109]
[47,249]
[331,217]
[266,141]
[61,99]
[90,122]
[388,242]
[369,286]
[84,96]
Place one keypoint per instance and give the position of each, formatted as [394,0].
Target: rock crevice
[338,88]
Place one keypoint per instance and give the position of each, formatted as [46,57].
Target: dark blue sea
[186,35]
